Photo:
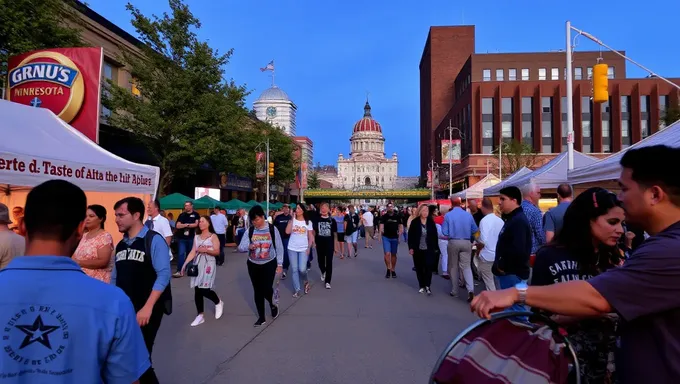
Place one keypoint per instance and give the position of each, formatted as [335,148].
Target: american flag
[268,67]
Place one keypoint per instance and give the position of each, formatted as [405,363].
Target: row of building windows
[489,142]
[542,74]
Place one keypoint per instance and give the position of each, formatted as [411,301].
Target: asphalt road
[366,329]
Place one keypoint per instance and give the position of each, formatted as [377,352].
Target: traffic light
[600,83]
[271,169]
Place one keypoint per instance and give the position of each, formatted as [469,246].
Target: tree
[672,114]
[313,181]
[514,156]
[186,114]
[27,25]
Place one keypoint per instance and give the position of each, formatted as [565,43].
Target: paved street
[367,329]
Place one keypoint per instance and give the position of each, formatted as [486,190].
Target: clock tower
[275,107]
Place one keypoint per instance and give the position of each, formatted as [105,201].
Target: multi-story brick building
[522,96]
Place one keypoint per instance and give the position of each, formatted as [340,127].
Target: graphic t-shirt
[556,265]
[281,222]
[238,222]
[390,222]
[187,218]
[298,236]
[262,239]
[324,228]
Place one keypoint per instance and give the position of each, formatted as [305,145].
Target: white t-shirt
[219,222]
[368,219]
[489,229]
[161,225]
[298,236]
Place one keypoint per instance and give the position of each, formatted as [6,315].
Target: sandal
[296,294]
[307,287]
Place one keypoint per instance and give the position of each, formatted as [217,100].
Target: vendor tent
[609,168]
[37,146]
[234,204]
[493,190]
[550,175]
[175,201]
[476,191]
[252,203]
[209,201]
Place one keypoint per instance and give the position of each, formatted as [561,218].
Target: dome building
[367,168]
[274,106]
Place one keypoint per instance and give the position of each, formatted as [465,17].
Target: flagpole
[273,73]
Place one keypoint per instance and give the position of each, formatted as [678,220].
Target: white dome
[273,93]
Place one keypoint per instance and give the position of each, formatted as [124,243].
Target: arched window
[367,181]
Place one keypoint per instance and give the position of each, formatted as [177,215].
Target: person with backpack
[142,271]
[299,247]
[265,260]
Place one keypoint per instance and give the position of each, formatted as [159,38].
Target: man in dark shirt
[187,222]
[239,223]
[281,220]
[511,265]
[391,229]
[351,230]
[475,211]
[645,291]
[325,228]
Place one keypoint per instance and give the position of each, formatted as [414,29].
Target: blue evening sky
[328,54]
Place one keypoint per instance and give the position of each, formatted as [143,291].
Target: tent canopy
[177,200]
[476,191]
[234,204]
[493,190]
[550,175]
[212,203]
[609,168]
[37,146]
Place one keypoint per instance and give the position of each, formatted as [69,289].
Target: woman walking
[95,250]
[300,244]
[340,234]
[265,260]
[422,242]
[324,228]
[206,249]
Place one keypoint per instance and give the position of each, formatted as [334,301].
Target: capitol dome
[273,93]
[367,124]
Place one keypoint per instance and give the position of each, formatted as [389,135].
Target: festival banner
[260,165]
[451,152]
[66,81]
[429,179]
[303,168]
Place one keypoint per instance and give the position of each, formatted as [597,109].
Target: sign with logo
[67,81]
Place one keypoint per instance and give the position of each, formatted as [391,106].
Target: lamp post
[433,168]
[266,145]
[450,129]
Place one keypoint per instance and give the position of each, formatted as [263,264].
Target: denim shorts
[390,245]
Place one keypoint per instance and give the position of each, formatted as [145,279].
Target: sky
[330,54]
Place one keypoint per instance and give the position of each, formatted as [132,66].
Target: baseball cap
[4,214]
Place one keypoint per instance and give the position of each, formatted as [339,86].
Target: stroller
[509,349]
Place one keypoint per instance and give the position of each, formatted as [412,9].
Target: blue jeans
[390,245]
[183,248]
[509,281]
[298,264]
[239,236]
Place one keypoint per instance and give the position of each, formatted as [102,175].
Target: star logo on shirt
[37,332]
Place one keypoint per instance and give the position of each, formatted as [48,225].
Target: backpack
[272,233]
[166,296]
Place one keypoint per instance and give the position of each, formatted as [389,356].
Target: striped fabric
[506,352]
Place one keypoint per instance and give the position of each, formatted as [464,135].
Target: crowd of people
[604,266]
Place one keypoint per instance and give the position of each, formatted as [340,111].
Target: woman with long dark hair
[299,246]
[206,249]
[585,247]
[95,250]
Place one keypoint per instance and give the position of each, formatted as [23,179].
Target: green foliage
[672,114]
[187,115]
[27,25]
[313,181]
[514,155]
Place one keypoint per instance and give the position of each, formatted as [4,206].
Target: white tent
[37,146]
[609,168]
[551,174]
[476,191]
[493,190]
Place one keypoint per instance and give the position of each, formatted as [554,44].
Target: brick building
[522,96]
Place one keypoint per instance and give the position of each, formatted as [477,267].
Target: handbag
[192,269]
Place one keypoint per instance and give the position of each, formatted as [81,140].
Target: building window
[586,123]
[527,121]
[554,74]
[512,74]
[487,125]
[610,72]
[578,73]
[486,75]
[663,103]
[644,116]
[546,125]
[606,127]
[506,118]
[525,73]
[590,73]
[499,74]
[625,122]
[546,104]
[564,132]
[541,74]
[110,72]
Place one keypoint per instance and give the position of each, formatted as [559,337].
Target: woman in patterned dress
[95,250]
[206,248]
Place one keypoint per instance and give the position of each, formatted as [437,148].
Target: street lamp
[450,129]
[433,168]
[266,145]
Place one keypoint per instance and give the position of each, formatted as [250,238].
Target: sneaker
[453,294]
[328,285]
[471,296]
[421,290]
[177,274]
[259,323]
[323,277]
[198,321]
[428,291]
[219,309]
[277,296]
[388,274]
[275,311]
[394,275]
[283,277]
[307,287]
[296,294]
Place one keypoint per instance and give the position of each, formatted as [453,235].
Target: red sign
[63,80]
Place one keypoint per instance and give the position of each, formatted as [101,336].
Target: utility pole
[460,134]
[433,167]
[267,147]
[500,158]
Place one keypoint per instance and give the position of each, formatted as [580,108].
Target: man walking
[187,222]
[325,228]
[554,218]
[142,271]
[157,223]
[532,194]
[489,229]
[367,220]
[61,326]
[281,223]
[459,227]
[220,224]
[391,229]
[351,230]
